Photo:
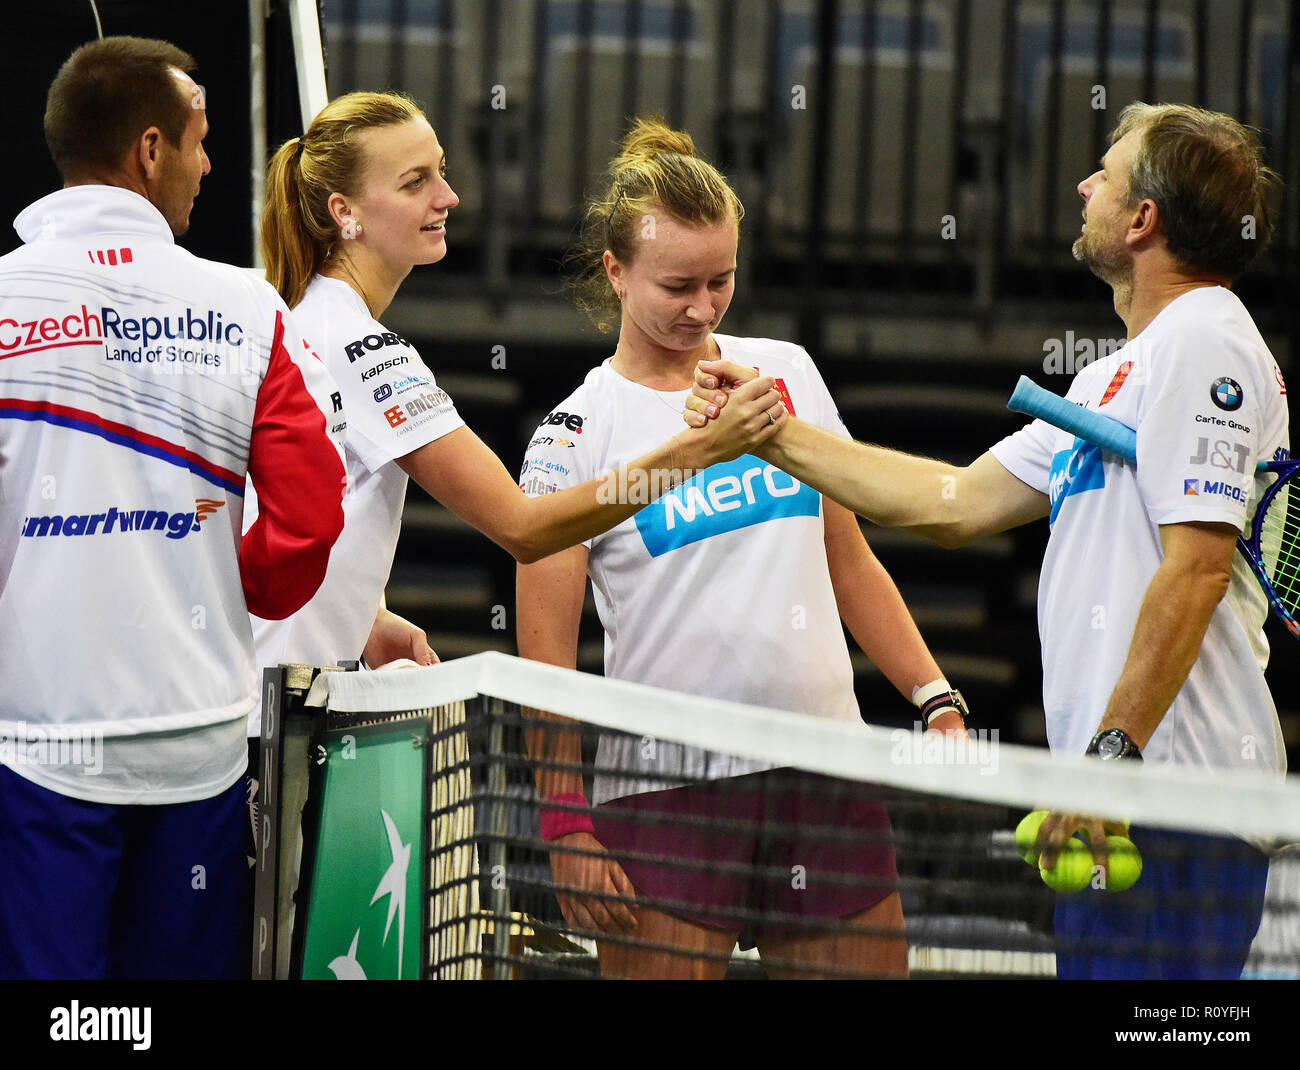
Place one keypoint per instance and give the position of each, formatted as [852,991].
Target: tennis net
[728,840]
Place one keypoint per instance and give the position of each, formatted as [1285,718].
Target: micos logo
[117,521]
[725,497]
[1219,488]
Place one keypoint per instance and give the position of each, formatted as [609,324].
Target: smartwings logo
[121,521]
[726,497]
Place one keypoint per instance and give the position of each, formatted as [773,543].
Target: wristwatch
[945,701]
[1112,744]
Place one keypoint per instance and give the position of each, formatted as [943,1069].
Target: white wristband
[922,695]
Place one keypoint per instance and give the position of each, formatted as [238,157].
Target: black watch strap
[947,701]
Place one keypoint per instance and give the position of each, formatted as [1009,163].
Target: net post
[266,835]
[284,768]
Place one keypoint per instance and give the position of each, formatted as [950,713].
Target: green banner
[363,917]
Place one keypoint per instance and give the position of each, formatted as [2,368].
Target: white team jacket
[138,385]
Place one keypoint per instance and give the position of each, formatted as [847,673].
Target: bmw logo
[1226,394]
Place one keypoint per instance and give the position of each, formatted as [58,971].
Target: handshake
[714,382]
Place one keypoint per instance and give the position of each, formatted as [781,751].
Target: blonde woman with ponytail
[351,207]
[701,600]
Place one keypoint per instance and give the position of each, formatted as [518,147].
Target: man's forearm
[1171,625]
[892,489]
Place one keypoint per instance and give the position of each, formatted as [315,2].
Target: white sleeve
[559,455]
[1199,432]
[1027,454]
[394,405]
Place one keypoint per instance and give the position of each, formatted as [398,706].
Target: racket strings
[1279,544]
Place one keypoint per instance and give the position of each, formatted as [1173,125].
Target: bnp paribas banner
[363,918]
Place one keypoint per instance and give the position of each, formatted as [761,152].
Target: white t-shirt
[1208,402]
[394,407]
[769,631]
[138,385]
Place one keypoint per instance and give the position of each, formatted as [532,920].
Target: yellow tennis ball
[1073,870]
[1027,835]
[1124,864]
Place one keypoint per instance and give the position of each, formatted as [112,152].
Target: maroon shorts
[774,852]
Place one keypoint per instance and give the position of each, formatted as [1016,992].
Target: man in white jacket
[139,385]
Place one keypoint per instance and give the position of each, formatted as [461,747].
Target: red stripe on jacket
[300,481]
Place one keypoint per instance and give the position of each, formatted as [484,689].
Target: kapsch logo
[1227,394]
[383,366]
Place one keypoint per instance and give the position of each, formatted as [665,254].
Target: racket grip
[1108,433]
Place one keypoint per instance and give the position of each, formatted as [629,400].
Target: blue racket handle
[1108,433]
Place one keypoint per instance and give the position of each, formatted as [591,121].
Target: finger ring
[770,418]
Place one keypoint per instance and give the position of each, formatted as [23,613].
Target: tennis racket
[1273,548]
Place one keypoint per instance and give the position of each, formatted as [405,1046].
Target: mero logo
[125,521]
[1227,394]
[1074,471]
[726,497]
